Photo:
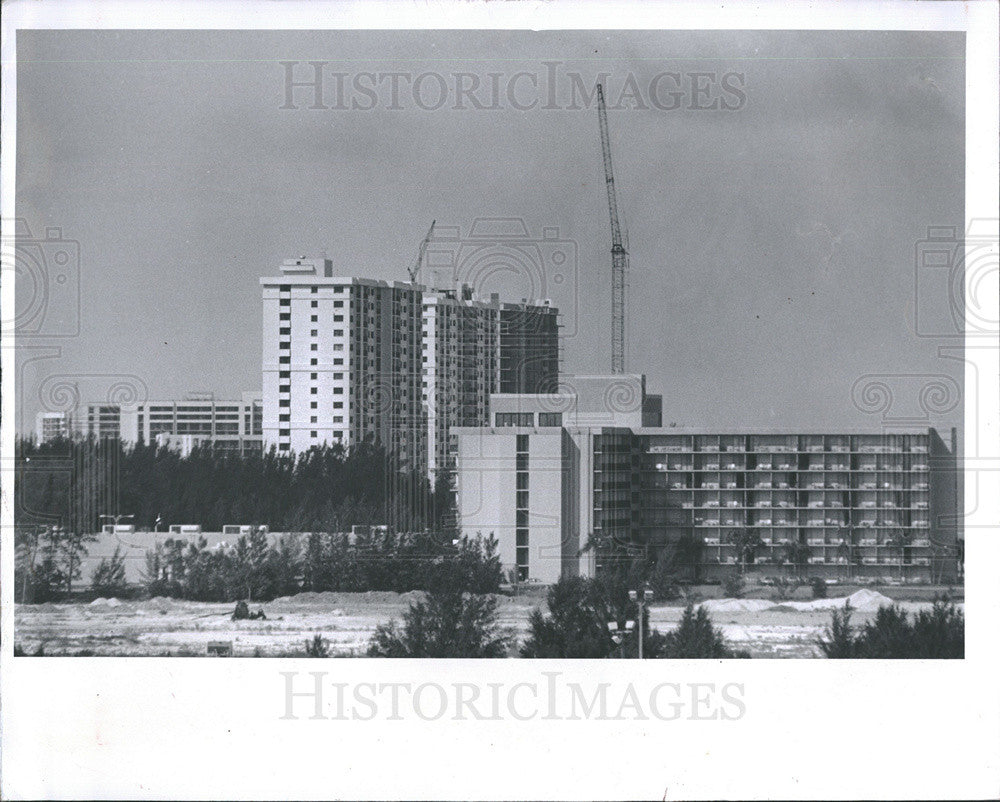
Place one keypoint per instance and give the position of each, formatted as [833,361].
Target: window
[285,302]
[522,442]
[285,346]
[338,404]
[338,318]
[339,347]
[550,419]
[285,288]
[284,388]
[522,481]
[338,304]
[314,347]
[522,462]
[284,402]
[284,418]
[313,418]
[338,418]
[522,538]
[284,447]
[521,518]
[338,390]
[314,290]
[338,332]
[313,361]
[313,391]
[286,332]
[313,318]
[522,499]
[284,360]
[314,304]
[515,419]
[338,361]
[314,333]
[285,316]
[313,433]
[285,374]
[284,432]
[314,376]
[312,405]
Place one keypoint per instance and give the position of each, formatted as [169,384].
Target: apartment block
[51,426]
[198,419]
[880,505]
[341,361]
[350,359]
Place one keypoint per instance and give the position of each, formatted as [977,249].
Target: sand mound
[102,602]
[863,600]
[737,605]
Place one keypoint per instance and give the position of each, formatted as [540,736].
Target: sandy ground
[156,627]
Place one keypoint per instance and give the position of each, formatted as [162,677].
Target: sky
[774,215]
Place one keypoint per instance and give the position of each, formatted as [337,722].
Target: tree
[938,633]
[109,576]
[448,623]
[696,638]
[689,550]
[72,549]
[576,626]
[747,541]
[797,553]
[898,540]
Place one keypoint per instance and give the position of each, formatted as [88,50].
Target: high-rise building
[198,419]
[529,348]
[567,480]
[349,359]
[341,361]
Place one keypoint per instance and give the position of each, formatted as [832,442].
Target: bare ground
[160,627]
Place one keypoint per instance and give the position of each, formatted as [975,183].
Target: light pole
[641,599]
[618,634]
[116,518]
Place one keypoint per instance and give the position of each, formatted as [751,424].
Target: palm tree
[797,553]
[747,541]
[899,540]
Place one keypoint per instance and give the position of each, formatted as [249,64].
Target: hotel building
[560,479]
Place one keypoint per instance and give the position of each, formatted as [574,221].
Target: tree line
[73,482]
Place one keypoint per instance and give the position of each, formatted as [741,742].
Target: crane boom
[415,270]
[619,256]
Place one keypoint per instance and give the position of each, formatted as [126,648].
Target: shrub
[109,576]
[733,585]
[938,633]
[318,646]
[576,624]
[818,586]
[696,638]
[839,640]
[785,587]
[448,623]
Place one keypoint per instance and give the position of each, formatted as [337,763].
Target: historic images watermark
[325,86]
[318,696]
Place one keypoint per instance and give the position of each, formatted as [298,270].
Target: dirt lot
[158,627]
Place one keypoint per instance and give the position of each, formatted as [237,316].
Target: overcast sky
[772,243]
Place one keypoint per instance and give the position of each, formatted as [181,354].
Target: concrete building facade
[348,360]
[597,477]
[198,419]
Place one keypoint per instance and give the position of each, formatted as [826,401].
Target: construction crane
[619,255]
[415,270]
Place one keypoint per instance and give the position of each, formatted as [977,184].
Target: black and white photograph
[550,347]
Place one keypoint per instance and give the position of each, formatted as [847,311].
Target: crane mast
[619,256]
[415,270]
